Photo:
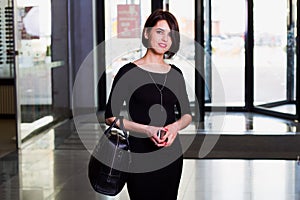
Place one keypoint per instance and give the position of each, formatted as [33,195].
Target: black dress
[156,99]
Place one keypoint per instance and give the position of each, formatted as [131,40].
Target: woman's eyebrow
[162,29]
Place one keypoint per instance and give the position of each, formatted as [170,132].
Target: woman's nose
[165,37]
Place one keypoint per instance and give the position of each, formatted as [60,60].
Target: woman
[153,92]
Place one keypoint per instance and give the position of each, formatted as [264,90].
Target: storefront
[232,61]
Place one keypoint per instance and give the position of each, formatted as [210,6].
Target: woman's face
[159,38]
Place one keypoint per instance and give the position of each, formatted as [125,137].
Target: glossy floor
[62,175]
[53,166]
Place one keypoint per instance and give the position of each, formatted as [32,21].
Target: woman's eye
[159,32]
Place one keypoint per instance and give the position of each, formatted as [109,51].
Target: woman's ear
[146,34]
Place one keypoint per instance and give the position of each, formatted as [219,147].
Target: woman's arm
[146,130]
[151,131]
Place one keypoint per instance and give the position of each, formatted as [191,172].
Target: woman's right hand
[151,132]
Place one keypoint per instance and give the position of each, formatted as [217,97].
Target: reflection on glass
[33,20]
[185,58]
[228,58]
[269,51]
[274,56]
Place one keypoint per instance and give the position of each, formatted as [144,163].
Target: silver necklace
[159,89]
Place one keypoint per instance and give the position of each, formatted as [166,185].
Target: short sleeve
[183,104]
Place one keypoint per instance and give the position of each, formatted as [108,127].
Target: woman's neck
[151,58]
[153,63]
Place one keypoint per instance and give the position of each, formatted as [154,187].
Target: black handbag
[110,160]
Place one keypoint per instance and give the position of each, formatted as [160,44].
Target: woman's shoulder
[176,68]
[127,67]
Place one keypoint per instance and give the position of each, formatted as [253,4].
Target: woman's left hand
[171,134]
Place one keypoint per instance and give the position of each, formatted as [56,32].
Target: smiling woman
[159,37]
[153,91]
[167,31]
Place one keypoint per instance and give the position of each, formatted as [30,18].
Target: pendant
[161,100]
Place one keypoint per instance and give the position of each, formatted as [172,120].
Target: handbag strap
[112,124]
[122,126]
[125,134]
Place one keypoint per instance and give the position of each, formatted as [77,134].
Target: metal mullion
[290,53]
[297,64]
[249,45]
[199,61]
[100,37]
[156,4]
[208,48]
[225,108]
[273,113]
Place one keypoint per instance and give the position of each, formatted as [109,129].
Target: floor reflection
[53,166]
[248,123]
[62,175]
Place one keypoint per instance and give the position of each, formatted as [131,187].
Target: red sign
[128,21]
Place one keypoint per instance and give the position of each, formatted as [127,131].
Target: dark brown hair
[156,16]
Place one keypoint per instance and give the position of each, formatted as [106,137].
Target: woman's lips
[162,45]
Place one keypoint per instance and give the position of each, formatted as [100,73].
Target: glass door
[274,55]
[224,39]
[185,57]
[34,80]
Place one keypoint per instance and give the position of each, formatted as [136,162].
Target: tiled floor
[53,166]
[7,136]
[62,175]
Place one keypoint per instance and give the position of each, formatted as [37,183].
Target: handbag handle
[113,124]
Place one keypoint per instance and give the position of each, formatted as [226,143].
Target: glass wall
[228,53]
[34,66]
[185,58]
[122,48]
[123,26]
[6,40]
[274,55]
